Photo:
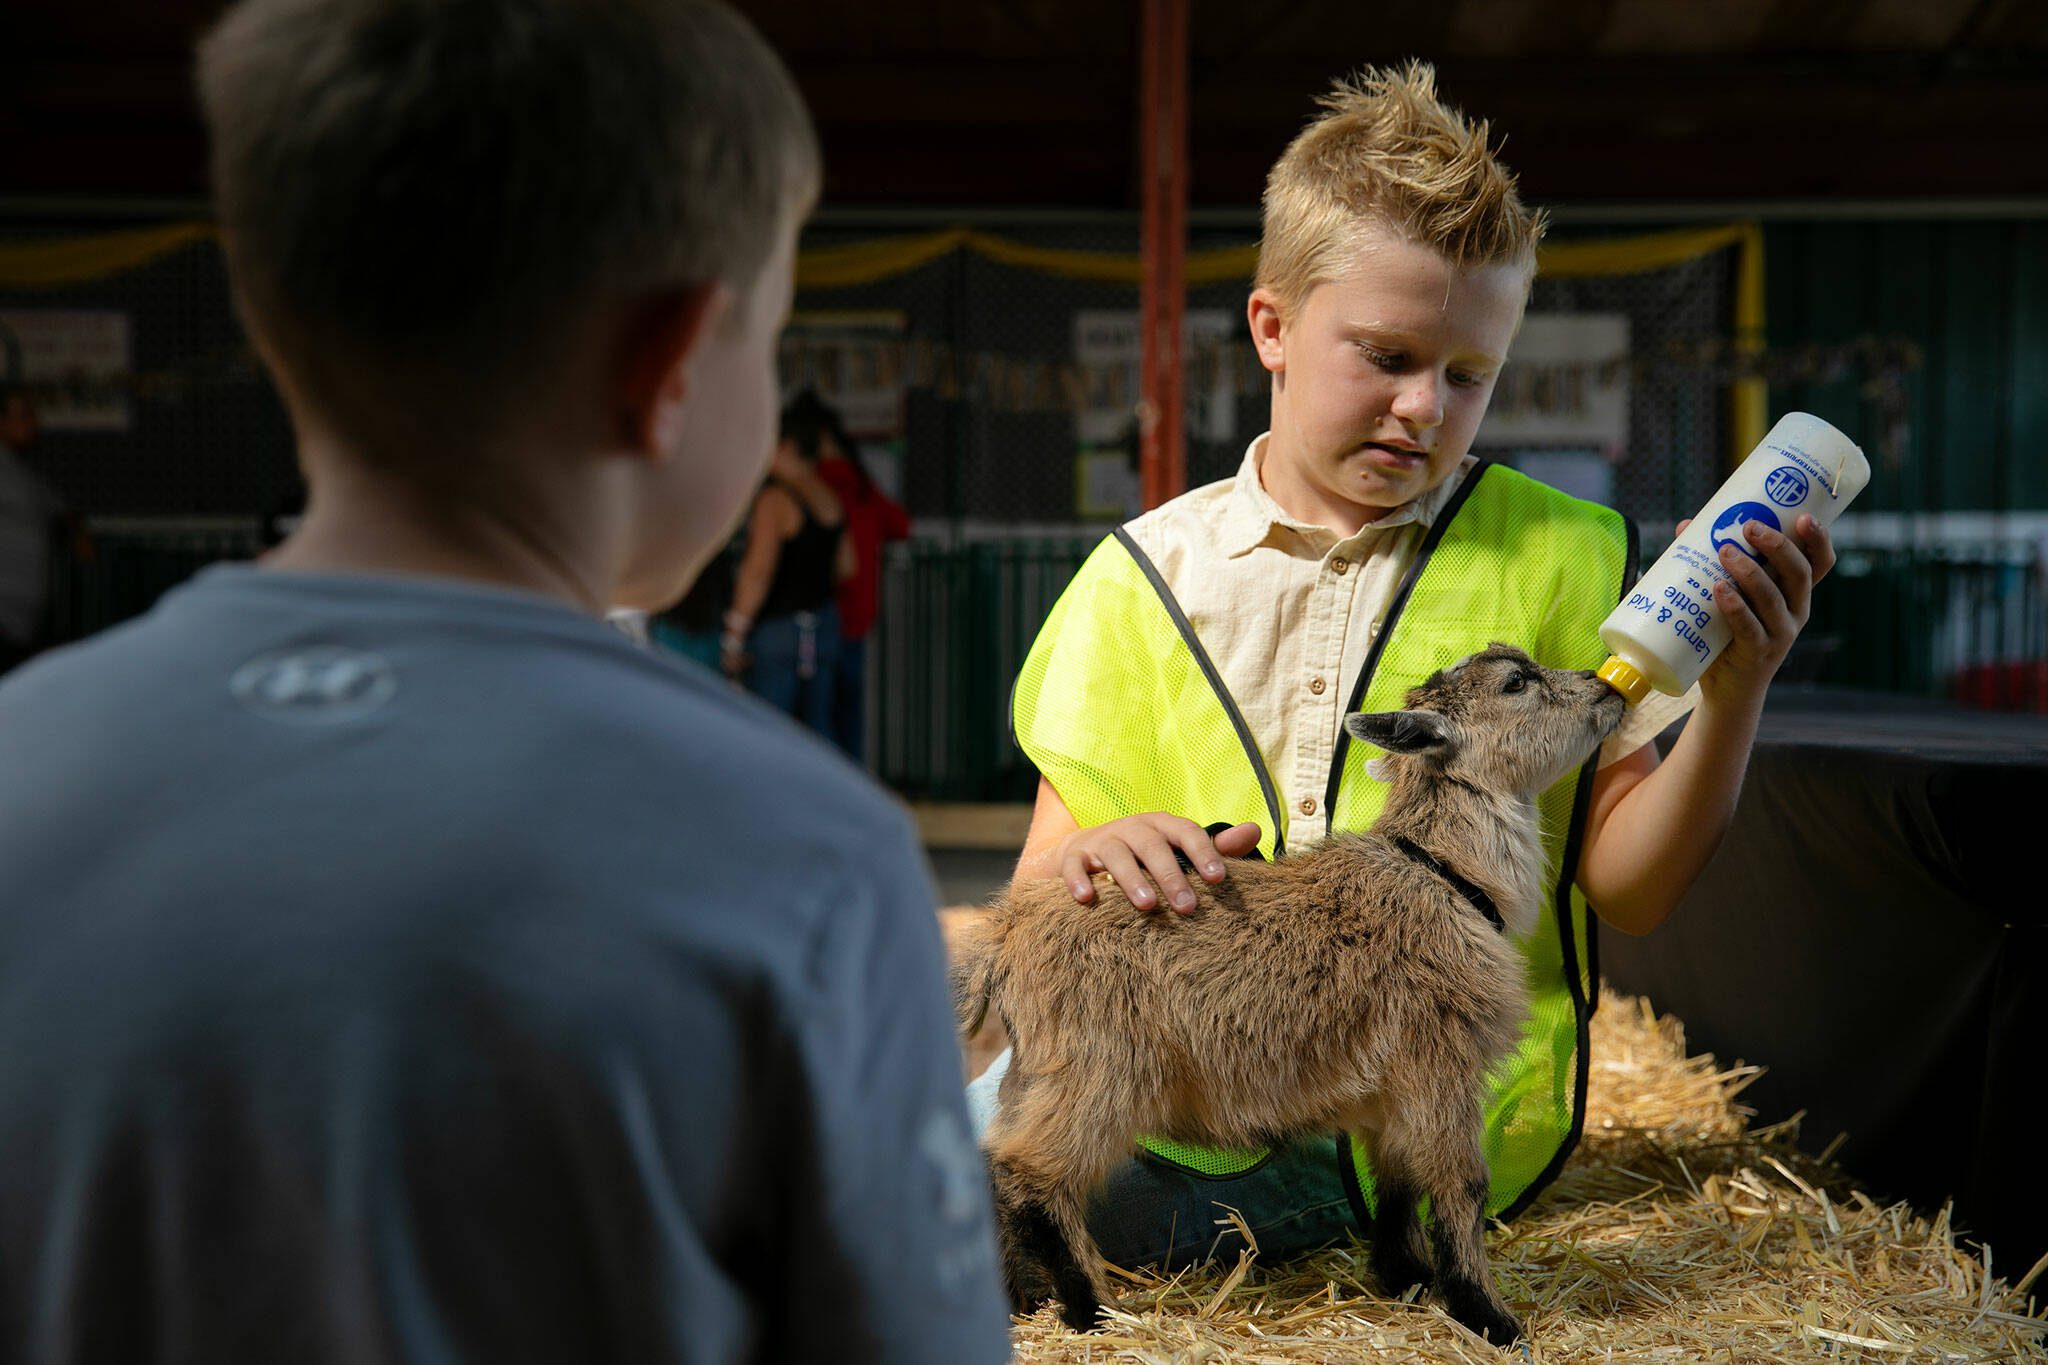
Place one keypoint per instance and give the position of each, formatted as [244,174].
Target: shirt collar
[1251,516]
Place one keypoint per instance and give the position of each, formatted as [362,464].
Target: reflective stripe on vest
[1122,712]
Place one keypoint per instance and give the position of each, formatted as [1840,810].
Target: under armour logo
[318,684]
[945,1144]
[967,1255]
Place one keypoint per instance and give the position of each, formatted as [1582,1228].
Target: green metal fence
[1966,622]
[955,624]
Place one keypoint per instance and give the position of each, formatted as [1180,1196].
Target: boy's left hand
[1769,610]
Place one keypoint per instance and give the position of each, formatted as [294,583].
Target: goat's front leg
[1437,1145]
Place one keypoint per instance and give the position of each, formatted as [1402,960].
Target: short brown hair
[1386,150]
[422,193]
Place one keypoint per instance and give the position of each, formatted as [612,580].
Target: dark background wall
[1972,298]
[1034,102]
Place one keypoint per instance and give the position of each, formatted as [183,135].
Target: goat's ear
[1401,732]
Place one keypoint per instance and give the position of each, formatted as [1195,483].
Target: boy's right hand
[1138,853]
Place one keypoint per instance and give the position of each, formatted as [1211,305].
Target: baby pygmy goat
[1354,985]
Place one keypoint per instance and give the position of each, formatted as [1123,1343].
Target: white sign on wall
[1108,350]
[855,362]
[78,361]
[1565,383]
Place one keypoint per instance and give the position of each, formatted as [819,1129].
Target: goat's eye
[1515,683]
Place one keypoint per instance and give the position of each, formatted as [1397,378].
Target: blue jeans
[1150,1213]
[796,665]
[850,700]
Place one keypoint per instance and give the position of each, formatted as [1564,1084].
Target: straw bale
[1677,1233]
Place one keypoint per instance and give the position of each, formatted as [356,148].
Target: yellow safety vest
[1122,710]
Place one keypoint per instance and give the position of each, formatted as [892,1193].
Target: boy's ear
[1401,732]
[1262,311]
[662,339]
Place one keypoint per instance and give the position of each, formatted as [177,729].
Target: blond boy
[1194,677]
[395,962]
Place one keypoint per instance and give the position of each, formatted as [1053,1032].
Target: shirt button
[1315,685]
[1308,805]
[1338,566]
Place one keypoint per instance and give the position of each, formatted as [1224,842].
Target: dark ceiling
[1033,102]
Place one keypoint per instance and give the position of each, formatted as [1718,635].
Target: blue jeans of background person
[850,700]
[796,665]
[1150,1213]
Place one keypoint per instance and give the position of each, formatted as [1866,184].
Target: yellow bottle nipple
[1625,678]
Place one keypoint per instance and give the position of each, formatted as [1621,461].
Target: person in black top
[782,631]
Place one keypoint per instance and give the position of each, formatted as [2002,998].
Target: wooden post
[1162,459]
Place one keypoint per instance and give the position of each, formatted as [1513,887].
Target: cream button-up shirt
[1289,610]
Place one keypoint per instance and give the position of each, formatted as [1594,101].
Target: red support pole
[1162,459]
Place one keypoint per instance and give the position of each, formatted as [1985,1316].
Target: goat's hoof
[1029,1294]
[1497,1325]
[1398,1273]
[1080,1316]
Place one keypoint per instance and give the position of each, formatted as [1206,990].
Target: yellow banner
[836,267]
[880,259]
[82,260]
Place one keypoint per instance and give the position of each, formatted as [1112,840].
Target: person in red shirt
[872,519]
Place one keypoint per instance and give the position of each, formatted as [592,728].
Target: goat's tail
[974,975]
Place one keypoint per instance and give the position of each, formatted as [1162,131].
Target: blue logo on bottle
[1728,526]
[1785,486]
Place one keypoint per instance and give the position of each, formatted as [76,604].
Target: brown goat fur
[1348,986]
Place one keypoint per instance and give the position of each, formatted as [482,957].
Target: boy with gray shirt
[395,962]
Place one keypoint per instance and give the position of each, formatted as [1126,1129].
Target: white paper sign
[1566,383]
[856,363]
[1107,348]
[77,360]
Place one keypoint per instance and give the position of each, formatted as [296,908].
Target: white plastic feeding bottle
[1668,629]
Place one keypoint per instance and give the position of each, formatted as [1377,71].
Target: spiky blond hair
[1386,151]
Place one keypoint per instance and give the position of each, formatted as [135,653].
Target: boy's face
[723,446]
[1380,377]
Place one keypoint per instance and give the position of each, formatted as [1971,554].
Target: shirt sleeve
[892,1255]
[838,476]
[1645,721]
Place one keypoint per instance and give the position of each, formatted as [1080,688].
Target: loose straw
[1676,1233]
